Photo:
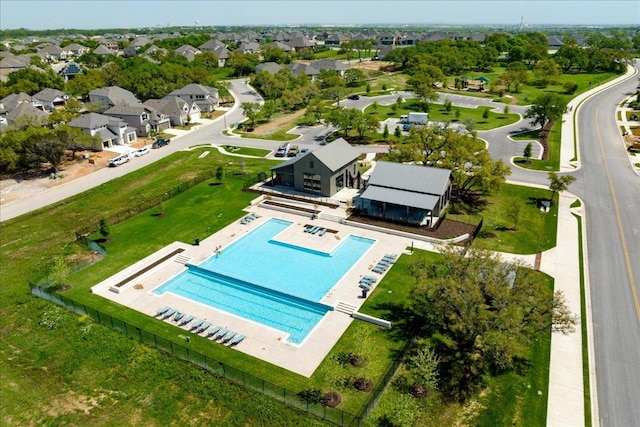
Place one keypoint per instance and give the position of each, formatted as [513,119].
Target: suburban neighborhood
[353,225]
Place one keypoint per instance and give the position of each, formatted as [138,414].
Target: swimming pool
[269,281]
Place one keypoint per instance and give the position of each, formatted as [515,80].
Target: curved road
[611,192]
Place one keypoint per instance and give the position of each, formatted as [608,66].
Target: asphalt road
[611,192]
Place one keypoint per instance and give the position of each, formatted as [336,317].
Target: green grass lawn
[527,93]
[247,151]
[536,230]
[438,113]
[395,81]
[553,161]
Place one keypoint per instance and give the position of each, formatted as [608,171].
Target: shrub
[570,87]
[310,395]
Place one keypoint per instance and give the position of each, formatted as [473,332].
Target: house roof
[329,64]
[271,67]
[129,110]
[196,89]
[26,109]
[103,50]
[400,197]
[116,95]
[95,121]
[412,178]
[334,156]
[299,68]
[50,95]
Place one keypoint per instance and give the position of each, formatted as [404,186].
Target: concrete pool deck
[262,342]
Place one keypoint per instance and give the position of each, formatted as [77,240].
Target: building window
[340,181]
[311,164]
[312,182]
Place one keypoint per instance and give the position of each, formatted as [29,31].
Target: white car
[119,160]
[140,152]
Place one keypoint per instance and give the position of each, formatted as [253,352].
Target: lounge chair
[162,310]
[204,327]
[179,315]
[244,221]
[383,262]
[222,334]
[391,256]
[370,278]
[169,313]
[308,228]
[229,337]
[388,259]
[213,331]
[321,233]
[315,230]
[238,339]
[197,324]
[365,282]
[377,270]
[186,320]
[365,286]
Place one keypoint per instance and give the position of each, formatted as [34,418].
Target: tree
[423,365]
[514,210]
[506,110]
[385,132]
[402,410]
[251,111]
[57,273]
[316,109]
[485,114]
[448,105]
[367,88]
[344,119]
[397,132]
[457,113]
[516,74]
[558,184]
[354,77]
[363,123]
[268,109]
[527,152]
[104,228]
[480,314]
[547,107]
[547,72]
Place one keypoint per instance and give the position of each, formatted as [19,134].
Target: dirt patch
[277,124]
[71,402]
[372,65]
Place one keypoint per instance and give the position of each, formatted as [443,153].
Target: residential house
[386,39]
[335,40]
[10,102]
[176,109]
[270,67]
[300,69]
[69,70]
[249,47]
[141,117]
[301,42]
[404,193]
[383,52]
[112,95]
[206,97]
[130,51]
[52,53]
[330,65]
[12,63]
[187,51]
[111,130]
[26,109]
[51,98]
[282,46]
[103,50]
[324,171]
[75,49]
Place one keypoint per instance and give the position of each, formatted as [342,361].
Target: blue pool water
[270,282]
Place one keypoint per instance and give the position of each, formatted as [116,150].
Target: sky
[98,14]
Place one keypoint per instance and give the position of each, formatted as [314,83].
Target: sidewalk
[565,404]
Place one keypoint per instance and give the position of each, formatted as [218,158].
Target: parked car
[119,160]
[161,142]
[303,150]
[283,150]
[140,152]
[293,151]
[354,97]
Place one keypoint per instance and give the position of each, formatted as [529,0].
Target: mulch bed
[332,399]
[447,229]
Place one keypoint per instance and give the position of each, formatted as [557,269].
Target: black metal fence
[288,397]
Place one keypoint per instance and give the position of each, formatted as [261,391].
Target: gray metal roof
[401,197]
[417,179]
[336,154]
